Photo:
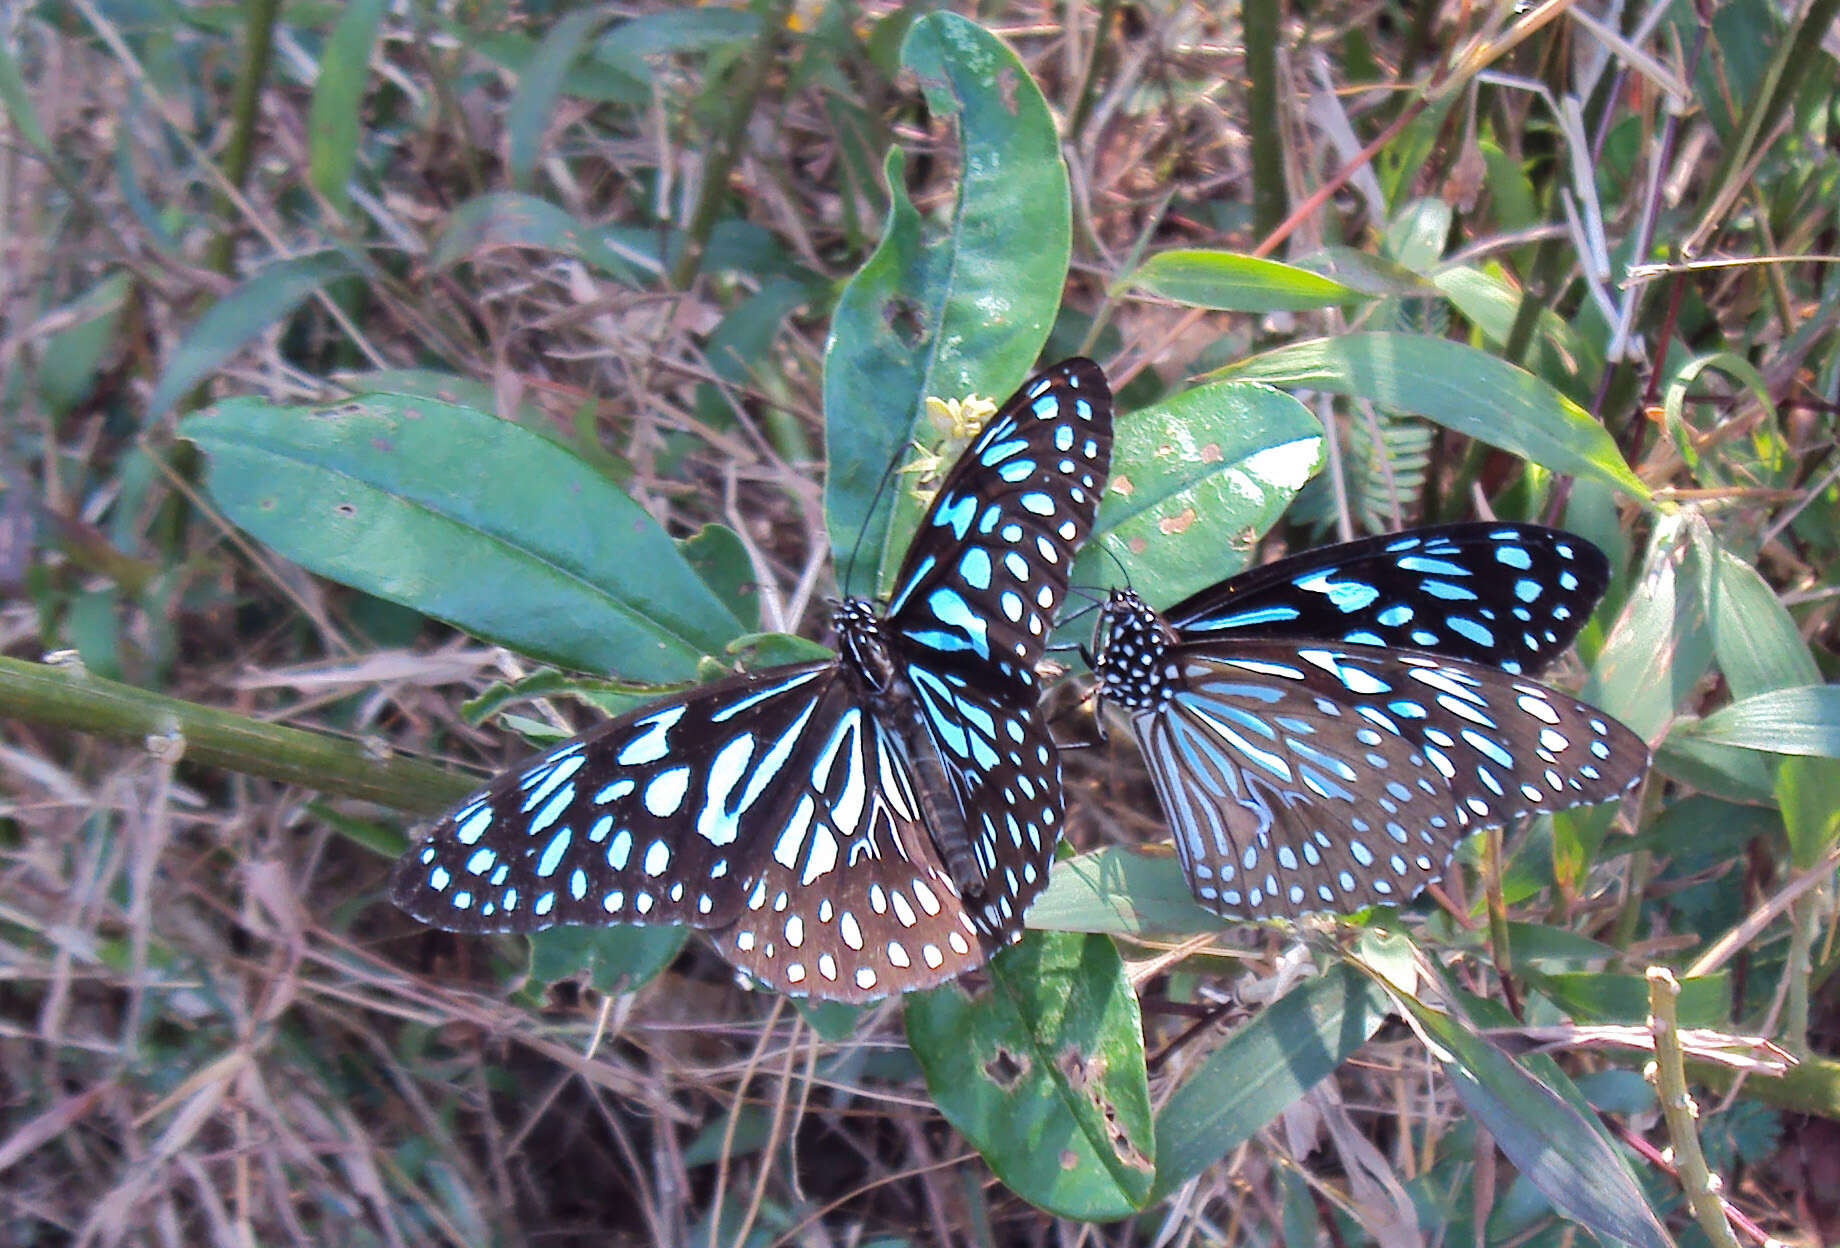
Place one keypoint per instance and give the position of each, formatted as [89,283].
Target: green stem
[1260,19]
[1678,1109]
[69,697]
[726,150]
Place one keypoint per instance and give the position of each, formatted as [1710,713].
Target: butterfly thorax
[1131,644]
[898,712]
[862,643]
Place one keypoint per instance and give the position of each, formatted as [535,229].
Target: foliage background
[627,231]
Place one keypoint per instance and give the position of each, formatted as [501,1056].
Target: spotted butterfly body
[1322,731]
[847,828]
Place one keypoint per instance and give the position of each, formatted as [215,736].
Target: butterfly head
[861,640]
[1130,642]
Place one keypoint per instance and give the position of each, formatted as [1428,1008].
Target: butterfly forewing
[1328,778]
[1509,595]
[655,816]
[988,567]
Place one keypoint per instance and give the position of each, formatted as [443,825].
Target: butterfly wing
[1509,595]
[1328,778]
[988,567]
[768,808]
[970,618]
[654,816]
[852,899]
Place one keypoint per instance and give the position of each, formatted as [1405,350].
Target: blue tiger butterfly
[1323,730]
[871,823]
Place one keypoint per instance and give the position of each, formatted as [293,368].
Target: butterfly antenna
[848,571]
[1113,556]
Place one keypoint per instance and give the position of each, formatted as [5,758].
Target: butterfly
[867,824]
[1322,731]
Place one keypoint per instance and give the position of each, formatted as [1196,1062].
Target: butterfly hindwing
[853,900]
[1512,596]
[1329,778]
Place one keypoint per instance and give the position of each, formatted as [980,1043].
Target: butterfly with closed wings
[1322,731]
[862,825]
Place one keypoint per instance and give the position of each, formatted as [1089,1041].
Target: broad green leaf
[1607,997]
[539,87]
[719,558]
[951,316]
[1284,1051]
[1804,721]
[334,133]
[613,74]
[1530,943]
[1230,282]
[621,958]
[1550,1142]
[17,101]
[1722,771]
[1492,305]
[692,29]
[70,358]
[1808,794]
[265,298]
[1118,890]
[1044,1073]
[1416,235]
[1195,480]
[1659,647]
[1463,389]
[509,219]
[1754,637]
[468,518]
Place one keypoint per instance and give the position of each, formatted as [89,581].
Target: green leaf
[719,558]
[470,519]
[1231,282]
[1808,793]
[334,134]
[950,316]
[1492,305]
[1463,389]
[508,219]
[263,300]
[16,99]
[1804,721]
[1044,1074]
[1756,641]
[1287,1049]
[1659,647]
[1416,235]
[539,87]
[1118,890]
[71,358]
[696,29]
[620,958]
[1607,997]
[1195,480]
[1560,1152]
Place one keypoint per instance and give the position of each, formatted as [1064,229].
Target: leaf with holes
[1044,1074]
[1195,480]
[951,316]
